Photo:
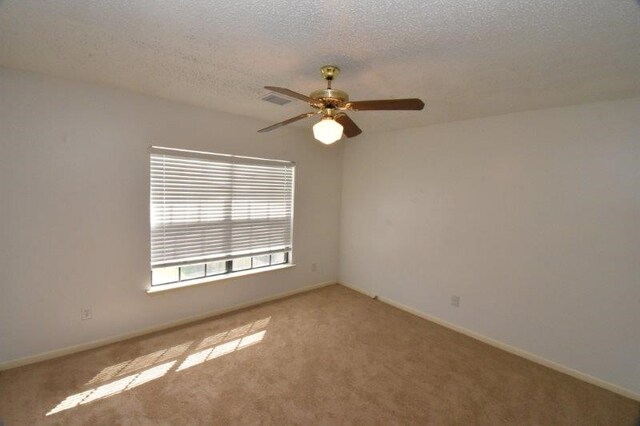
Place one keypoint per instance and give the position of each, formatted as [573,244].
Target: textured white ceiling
[464,58]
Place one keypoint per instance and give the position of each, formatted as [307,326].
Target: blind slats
[218,207]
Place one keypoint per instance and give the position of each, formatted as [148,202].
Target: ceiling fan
[332,104]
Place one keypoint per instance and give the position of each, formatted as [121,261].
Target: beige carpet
[330,356]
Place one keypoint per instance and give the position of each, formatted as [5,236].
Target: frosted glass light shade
[327,130]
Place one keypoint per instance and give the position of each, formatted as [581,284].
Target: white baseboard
[505,347]
[106,341]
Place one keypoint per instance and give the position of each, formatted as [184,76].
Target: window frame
[228,272]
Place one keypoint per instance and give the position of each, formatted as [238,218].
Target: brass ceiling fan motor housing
[330,98]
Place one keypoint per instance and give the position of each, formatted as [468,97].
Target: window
[215,214]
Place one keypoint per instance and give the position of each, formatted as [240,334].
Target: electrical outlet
[455,301]
[86,314]
[314,267]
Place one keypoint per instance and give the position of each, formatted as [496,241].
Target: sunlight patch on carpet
[135,372]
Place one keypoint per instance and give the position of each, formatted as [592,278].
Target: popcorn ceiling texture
[465,59]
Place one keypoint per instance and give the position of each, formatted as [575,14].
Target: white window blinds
[208,207]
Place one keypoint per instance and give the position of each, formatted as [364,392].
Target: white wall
[533,219]
[74,210]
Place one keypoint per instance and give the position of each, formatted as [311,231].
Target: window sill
[208,280]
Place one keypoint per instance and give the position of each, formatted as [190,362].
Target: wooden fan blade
[292,94]
[350,129]
[285,122]
[388,104]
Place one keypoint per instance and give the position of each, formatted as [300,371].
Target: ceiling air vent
[276,99]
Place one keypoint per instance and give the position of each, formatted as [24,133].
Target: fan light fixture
[333,105]
[327,130]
